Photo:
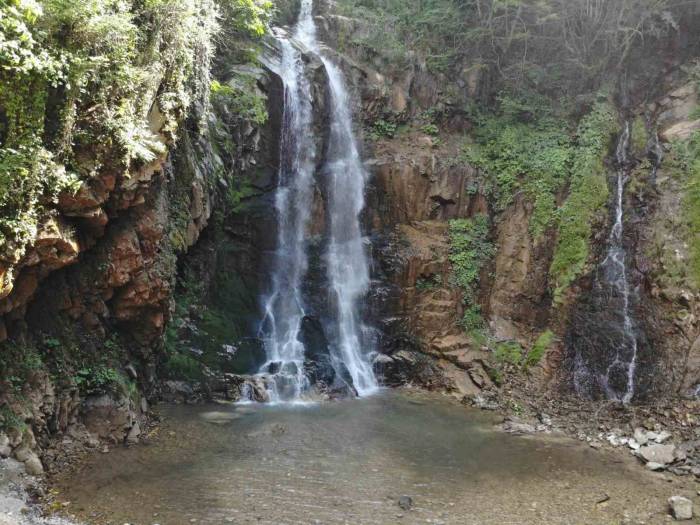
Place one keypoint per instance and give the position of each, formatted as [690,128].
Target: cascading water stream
[284,307]
[617,379]
[615,271]
[347,263]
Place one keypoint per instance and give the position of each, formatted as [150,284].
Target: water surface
[349,462]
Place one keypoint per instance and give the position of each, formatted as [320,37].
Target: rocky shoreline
[19,493]
[664,437]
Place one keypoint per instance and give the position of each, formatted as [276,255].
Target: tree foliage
[524,146]
[98,84]
[549,44]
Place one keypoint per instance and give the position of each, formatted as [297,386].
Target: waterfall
[284,307]
[347,264]
[348,267]
[615,271]
[616,378]
[346,261]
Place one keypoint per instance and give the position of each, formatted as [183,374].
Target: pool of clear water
[350,462]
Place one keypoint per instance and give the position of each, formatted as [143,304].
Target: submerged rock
[405,502]
[515,426]
[219,418]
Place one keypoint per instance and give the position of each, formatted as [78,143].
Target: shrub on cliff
[470,250]
[587,198]
[80,77]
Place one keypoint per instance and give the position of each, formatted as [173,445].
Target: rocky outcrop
[663,253]
[93,293]
[415,195]
[77,224]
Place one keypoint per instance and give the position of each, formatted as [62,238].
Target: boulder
[318,365]
[663,454]
[177,392]
[681,508]
[484,400]
[680,131]
[662,436]
[640,436]
[107,417]
[134,432]
[33,466]
[255,388]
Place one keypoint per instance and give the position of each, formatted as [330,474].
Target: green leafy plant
[508,353]
[587,197]
[183,367]
[9,420]
[430,129]
[100,379]
[470,250]
[524,146]
[430,282]
[691,206]
[241,97]
[473,319]
[683,163]
[542,344]
[87,76]
[382,129]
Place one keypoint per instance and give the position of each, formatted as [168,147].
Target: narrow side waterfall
[612,367]
[614,269]
[346,261]
[284,307]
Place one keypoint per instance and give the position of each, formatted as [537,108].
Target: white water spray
[284,307]
[615,269]
[617,380]
[347,263]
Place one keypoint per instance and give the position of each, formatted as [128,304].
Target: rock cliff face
[420,183]
[85,308]
[416,196]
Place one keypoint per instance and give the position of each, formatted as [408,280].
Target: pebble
[405,502]
[632,443]
[603,498]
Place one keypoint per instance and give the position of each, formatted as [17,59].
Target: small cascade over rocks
[607,339]
[291,367]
